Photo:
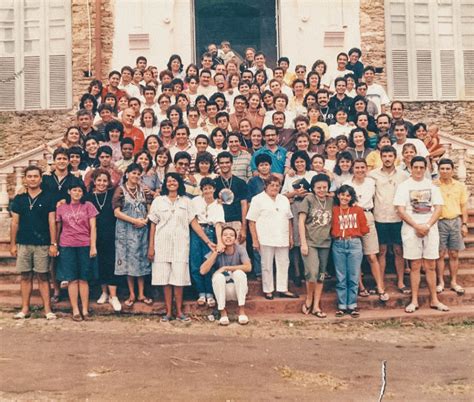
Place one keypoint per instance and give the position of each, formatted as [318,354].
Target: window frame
[434,49]
[44,57]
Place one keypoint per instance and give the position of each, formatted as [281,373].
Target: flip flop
[50,316]
[129,302]
[146,301]
[411,308]
[319,314]
[364,293]
[166,318]
[21,316]
[305,309]
[340,313]
[439,289]
[383,296]
[183,318]
[354,313]
[440,307]
[404,290]
[459,290]
[77,317]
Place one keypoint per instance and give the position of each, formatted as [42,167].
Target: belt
[347,238]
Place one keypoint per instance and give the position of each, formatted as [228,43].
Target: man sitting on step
[229,281]
[33,240]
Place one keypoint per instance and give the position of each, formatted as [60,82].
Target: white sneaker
[224,321]
[115,303]
[104,297]
[243,319]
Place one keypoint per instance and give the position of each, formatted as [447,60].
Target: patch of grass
[455,387]
[308,379]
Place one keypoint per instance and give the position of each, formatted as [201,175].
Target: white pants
[282,261]
[235,290]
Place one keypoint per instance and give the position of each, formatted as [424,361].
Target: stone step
[259,305]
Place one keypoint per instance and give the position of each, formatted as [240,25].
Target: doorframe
[194,57]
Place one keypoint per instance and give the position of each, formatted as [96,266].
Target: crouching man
[229,281]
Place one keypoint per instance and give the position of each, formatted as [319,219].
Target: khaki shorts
[370,241]
[32,259]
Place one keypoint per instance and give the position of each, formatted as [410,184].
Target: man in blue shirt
[277,153]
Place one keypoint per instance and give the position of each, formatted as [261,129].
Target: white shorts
[416,248]
[370,241]
[170,273]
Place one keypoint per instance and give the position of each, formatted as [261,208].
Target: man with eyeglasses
[164,102]
[271,148]
[193,123]
[361,89]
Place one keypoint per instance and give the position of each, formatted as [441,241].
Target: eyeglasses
[182,164]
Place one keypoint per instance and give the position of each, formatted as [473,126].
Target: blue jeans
[347,256]
[197,254]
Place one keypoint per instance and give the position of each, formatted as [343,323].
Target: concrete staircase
[371,307]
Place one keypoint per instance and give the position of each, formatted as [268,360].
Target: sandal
[458,289]
[146,301]
[201,301]
[439,288]
[129,302]
[364,293]
[340,313]
[183,318]
[305,309]
[288,295]
[319,314]
[50,316]
[21,316]
[383,296]
[166,318]
[354,313]
[211,302]
[404,290]
[411,308]
[440,307]
[77,317]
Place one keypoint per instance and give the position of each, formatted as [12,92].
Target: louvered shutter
[448,74]
[424,74]
[7,88]
[32,82]
[401,88]
[469,73]
[57,81]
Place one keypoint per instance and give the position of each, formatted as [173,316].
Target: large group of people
[203,175]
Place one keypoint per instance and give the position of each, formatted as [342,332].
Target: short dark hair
[319,178]
[446,161]
[207,181]
[369,68]
[60,151]
[113,125]
[263,158]
[355,50]
[76,182]
[127,140]
[285,59]
[387,149]
[204,157]
[104,149]
[31,168]
[224,155]
[418,158]
[302,155]
[345,188]
[181,155]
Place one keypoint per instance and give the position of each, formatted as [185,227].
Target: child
[76,228]
[342,142]
[225,52]
[348,226]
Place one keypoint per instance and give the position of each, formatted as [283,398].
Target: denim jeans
[197,254]
[347,256]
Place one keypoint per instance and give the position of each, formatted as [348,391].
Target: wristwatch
[54,244]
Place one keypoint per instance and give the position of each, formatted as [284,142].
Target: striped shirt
[241,165]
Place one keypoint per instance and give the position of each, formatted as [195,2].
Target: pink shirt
[76,229]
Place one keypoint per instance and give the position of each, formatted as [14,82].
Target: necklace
[101,206]
[131,192]
[32,201]
[227,183]
[59,183]
[75,215]
[321,205]
[357,153]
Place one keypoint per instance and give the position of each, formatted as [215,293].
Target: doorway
[244,23]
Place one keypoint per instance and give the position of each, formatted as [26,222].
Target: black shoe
[288,295]
[269,296]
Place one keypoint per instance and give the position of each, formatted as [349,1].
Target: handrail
[458,142]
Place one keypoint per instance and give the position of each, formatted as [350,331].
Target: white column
[4,200]
[18,178]
[462,171]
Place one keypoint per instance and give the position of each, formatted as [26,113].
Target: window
[35,54]
[430,49]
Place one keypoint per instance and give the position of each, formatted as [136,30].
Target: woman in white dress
[171,214]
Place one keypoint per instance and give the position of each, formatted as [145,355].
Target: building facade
[51,49]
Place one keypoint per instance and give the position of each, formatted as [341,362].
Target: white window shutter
[32,84]
[448,74]
[401,89]
[7,88]
[469,73]
[424,75]
[57,81]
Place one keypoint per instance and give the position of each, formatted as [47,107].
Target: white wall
[169,23]
[302,27]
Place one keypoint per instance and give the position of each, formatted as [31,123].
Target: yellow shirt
[454,196]
[375,162]
[289,78]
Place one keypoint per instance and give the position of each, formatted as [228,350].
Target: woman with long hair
[149,122]
[149,182]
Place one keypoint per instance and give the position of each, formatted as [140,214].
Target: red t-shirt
[349,223]
[118,92]
[136,135]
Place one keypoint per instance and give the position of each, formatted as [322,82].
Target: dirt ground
[139,358]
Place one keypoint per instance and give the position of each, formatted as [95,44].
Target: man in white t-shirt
[375,92]
[419,203]
[401,132]
[259,64]
[341,71]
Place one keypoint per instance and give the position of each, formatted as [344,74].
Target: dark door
[244,23]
